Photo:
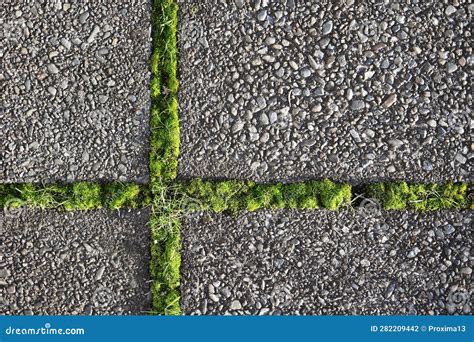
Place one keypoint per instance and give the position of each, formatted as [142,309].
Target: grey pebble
[305,72]
[450,10]
[53,69]
[390,100]
[103,98]
[52,91]
[100,273]
[237,127]
[83,17]
[327,27]
[66,43]
[395,142]
[357,105]
[93,34]
[451,67]
[413,253]
[235,305]
[262,15]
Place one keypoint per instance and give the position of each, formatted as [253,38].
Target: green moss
[423,197]
[167,201]
[172,257]
[118,195]
[309,203]
[253,204]
[164,115]
[47,196]
[259,197]
[155,63]
[235,196]
[155,87]
[84,196]
[294,194]
[396,195]
[77,196]
[172,305]
[165,249]
[334,196]
[438,196]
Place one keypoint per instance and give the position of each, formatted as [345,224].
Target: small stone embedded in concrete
[327,27]
[390,100]
[53,69]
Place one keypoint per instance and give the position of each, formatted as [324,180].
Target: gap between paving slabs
[233,196]
[170,199]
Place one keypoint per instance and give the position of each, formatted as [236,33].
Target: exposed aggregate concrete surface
[322,262]
[74,90]
[350,90]
[76,263]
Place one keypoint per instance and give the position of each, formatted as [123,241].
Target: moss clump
[84,196]
[333,195]
[77,196]
[424,197]
[172,256]
[155,87]
[295,194]
[165,250]
[10,196]
[164,86]
[118,195]
[235,196]
[263,196]
[47,196]
[164,139]
[217,196]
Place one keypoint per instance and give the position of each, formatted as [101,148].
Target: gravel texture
[77,263]
[353,91]
[326,263]
[74,90]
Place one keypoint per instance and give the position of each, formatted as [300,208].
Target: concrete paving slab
[352,91]
[74,90]
[76,263]
[325,263]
